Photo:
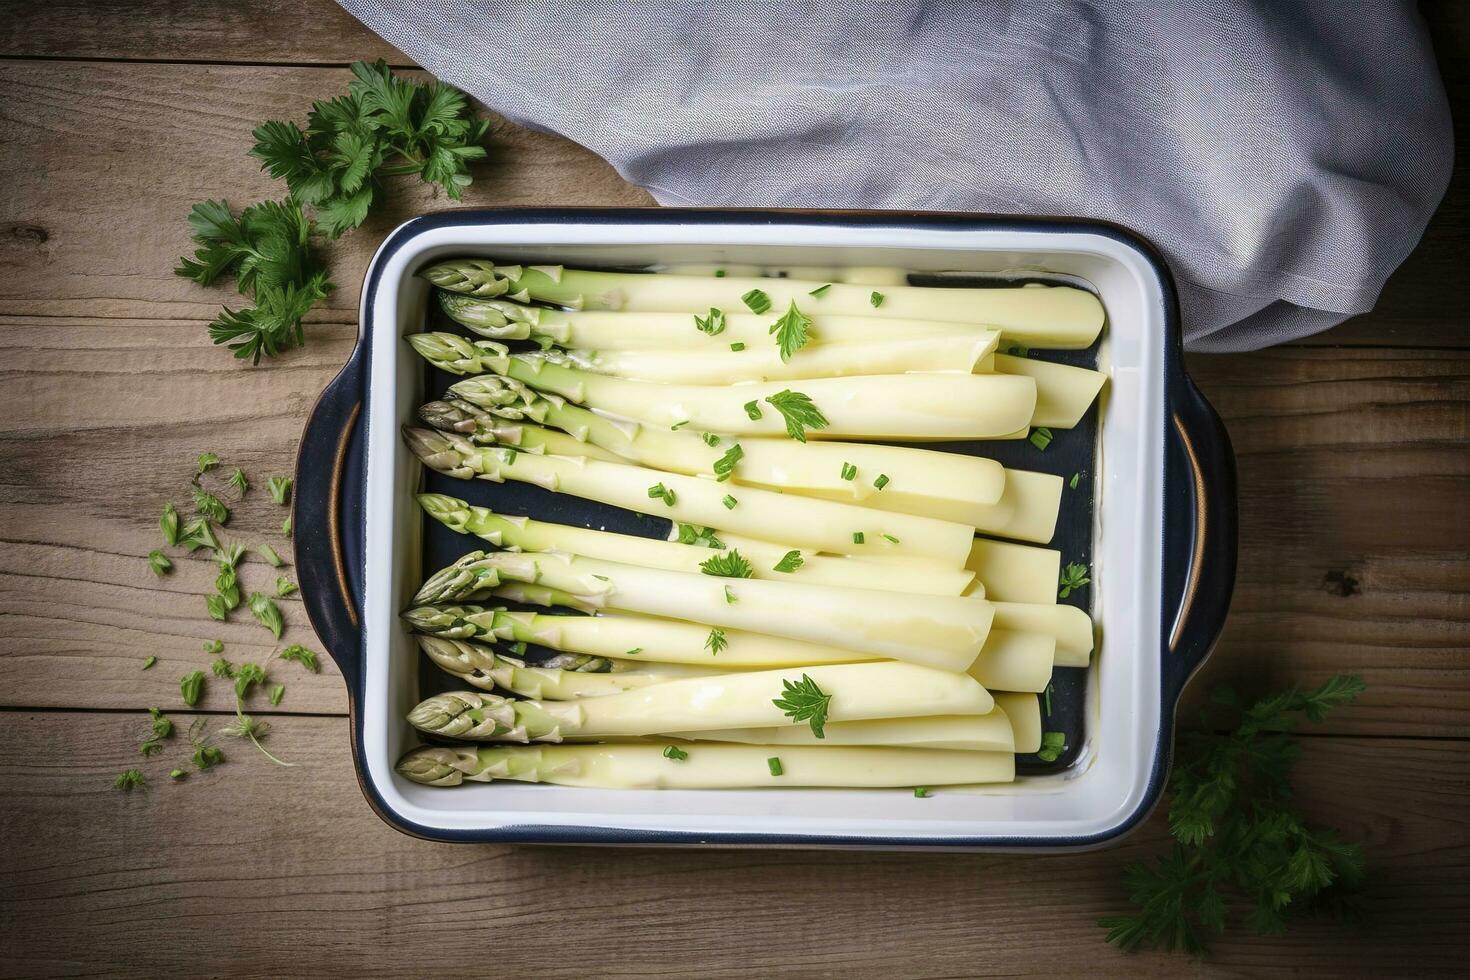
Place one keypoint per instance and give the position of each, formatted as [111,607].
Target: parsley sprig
[1239,844]
[798,411]
[804,701]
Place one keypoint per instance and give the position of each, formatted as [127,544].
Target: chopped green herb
[211,506]
[216,607]
[713,324]
[176,774]
[710,439]
[675,753]
[792,331]
[757,301]
[859,538]
[678,425]
[229,557]
[1073,577]
[214,646]
[149,662]
[239,481]
[848,472]
[716,641]
[284,586]
[1052,746]
[158,562]
[799,412]
[725,465]
[286,526]
[729,502]
[1041,438]
[719,273]
[205,463]
[876,299]
[804,701]
[280,488]
[1046,698]
[208,756]
[1073,482]
[190,687]
[660,492]
[729,565]
[694,534]
[162,727]
[150,747]
[890,539]
[729,596]
[633,652]
[169,524]
[774,764]
[882,481]
[129,780]
[266,613]
[921,792]
[518,648]
[198,534]
[277,692]
[301,655]
[738,346]
[247,677]
[752,410]
[789,562]
[222,668]
[820,290]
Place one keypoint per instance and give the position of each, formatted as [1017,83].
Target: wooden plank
[103,161]
[208,877]
[1354,470]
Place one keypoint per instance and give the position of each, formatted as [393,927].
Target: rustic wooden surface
[114,118]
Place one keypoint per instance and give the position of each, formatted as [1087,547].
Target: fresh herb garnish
[859,537]
[1073,577]
[820,290]
[890,539]
[725,465]
[921,792]
[876,299]
[713,324]
[1076,477]
[169,524]
[253,729]
[789,562]
[158,562]
[266,613]
[774,764]
[848,472]
[792,331]
[222,668]
[1041,438]
[269,554]
[799,412]
[214,646]
[1052,746]
[704,536]
[211,506]
[239,481]
[729,597]
[660,492]
[149,662]
[1238,840]
[176,774]
[129,780]
[286,526]
[198,534]
[284,586]
[1046,698]
[303,656]
[738,346]
[675,753]
[882,481]
[729,565]
[757,301]
[716,641]
[633,652]
[247,676]
[215,606]
[205,462]
[161,726]
[678,425]
[150,747]
[191,685]
[280,488]
[729,502]
[804,701]
[710,439]
[752,410]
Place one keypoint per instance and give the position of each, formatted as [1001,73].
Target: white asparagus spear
[1024,712]
[788,519]
[1063,392]
[1013,661]
[1071,626]
[985,733]
[1013,572]
[485,668]
[643,766]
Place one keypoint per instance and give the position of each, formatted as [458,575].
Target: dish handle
[319,497]
[1201,569]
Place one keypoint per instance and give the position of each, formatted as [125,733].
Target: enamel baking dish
[1156,519]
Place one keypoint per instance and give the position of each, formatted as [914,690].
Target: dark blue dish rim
[1199,514]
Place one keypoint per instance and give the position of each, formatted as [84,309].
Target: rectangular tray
[1154,462]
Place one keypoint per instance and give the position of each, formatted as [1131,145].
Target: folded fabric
[1284,156]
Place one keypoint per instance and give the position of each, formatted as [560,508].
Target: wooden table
[1355,544]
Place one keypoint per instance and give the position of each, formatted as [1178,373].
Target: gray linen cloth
[1284,154]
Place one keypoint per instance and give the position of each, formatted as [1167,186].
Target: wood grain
[313,883]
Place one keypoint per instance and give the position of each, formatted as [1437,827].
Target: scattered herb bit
[1046,698]
[129,780]
[149,662]
[716,641]
[253,729]
[239,481]
[660,492]
[1018,350]
[729,502]
[729,597]
[198,534]
[729,565]
[1052,746]
[1076,477]
[215,606]
[227,588]
[710,439]
[876,299]
[518,648]
[162,727]
[848,472]
[725,466]
[214,646]
[752,410]
[266,613]
[277,692]
[286,526]
[1238,840]
[211,506]
[208,756]
[158,562]
[694,534]
[713,324]
[222,668]
[757,301]
[921,792]
[799,412]
[1041,438]
[820,290]
[190,687]
[890,539]
[675,753]
[792,331]
[169,524]
[719,273]
[882,481]
[738,346]
[1073,577]
[284,586]
[280,488]
[804,701]
[176,774]
[230,557]
[678,425]
[774,764]
[859,537]
[205,463]
[302,656]
[634,652]
[789,562]
[269,554]
[150,747]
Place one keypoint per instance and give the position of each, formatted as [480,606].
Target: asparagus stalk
[1039,316]
[526,534]
[1014,661]
[804,522]
[985,733]
[872,275]
[483,667]
[1071,627]
[615,766]
[906,407]
[857,692]
[948,486]
[940,631]
[1024,712]
[1063,392]
[1015,572]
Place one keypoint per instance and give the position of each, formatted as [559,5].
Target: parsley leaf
[789,562]
[876,299]
[660,492]
[159,562]
[792,331]
[211,506]
[1041,438]
[713,324]
[169,524]
[675,753]
[731,564]
[191,686]
[1052,746]
[799,412]
[301,655]
[239,481]
[804,701]
[703,536]
[1073,577]
[266,613]
[280,488]
[129,779]
[757,301]
[716,641]
[725,465]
